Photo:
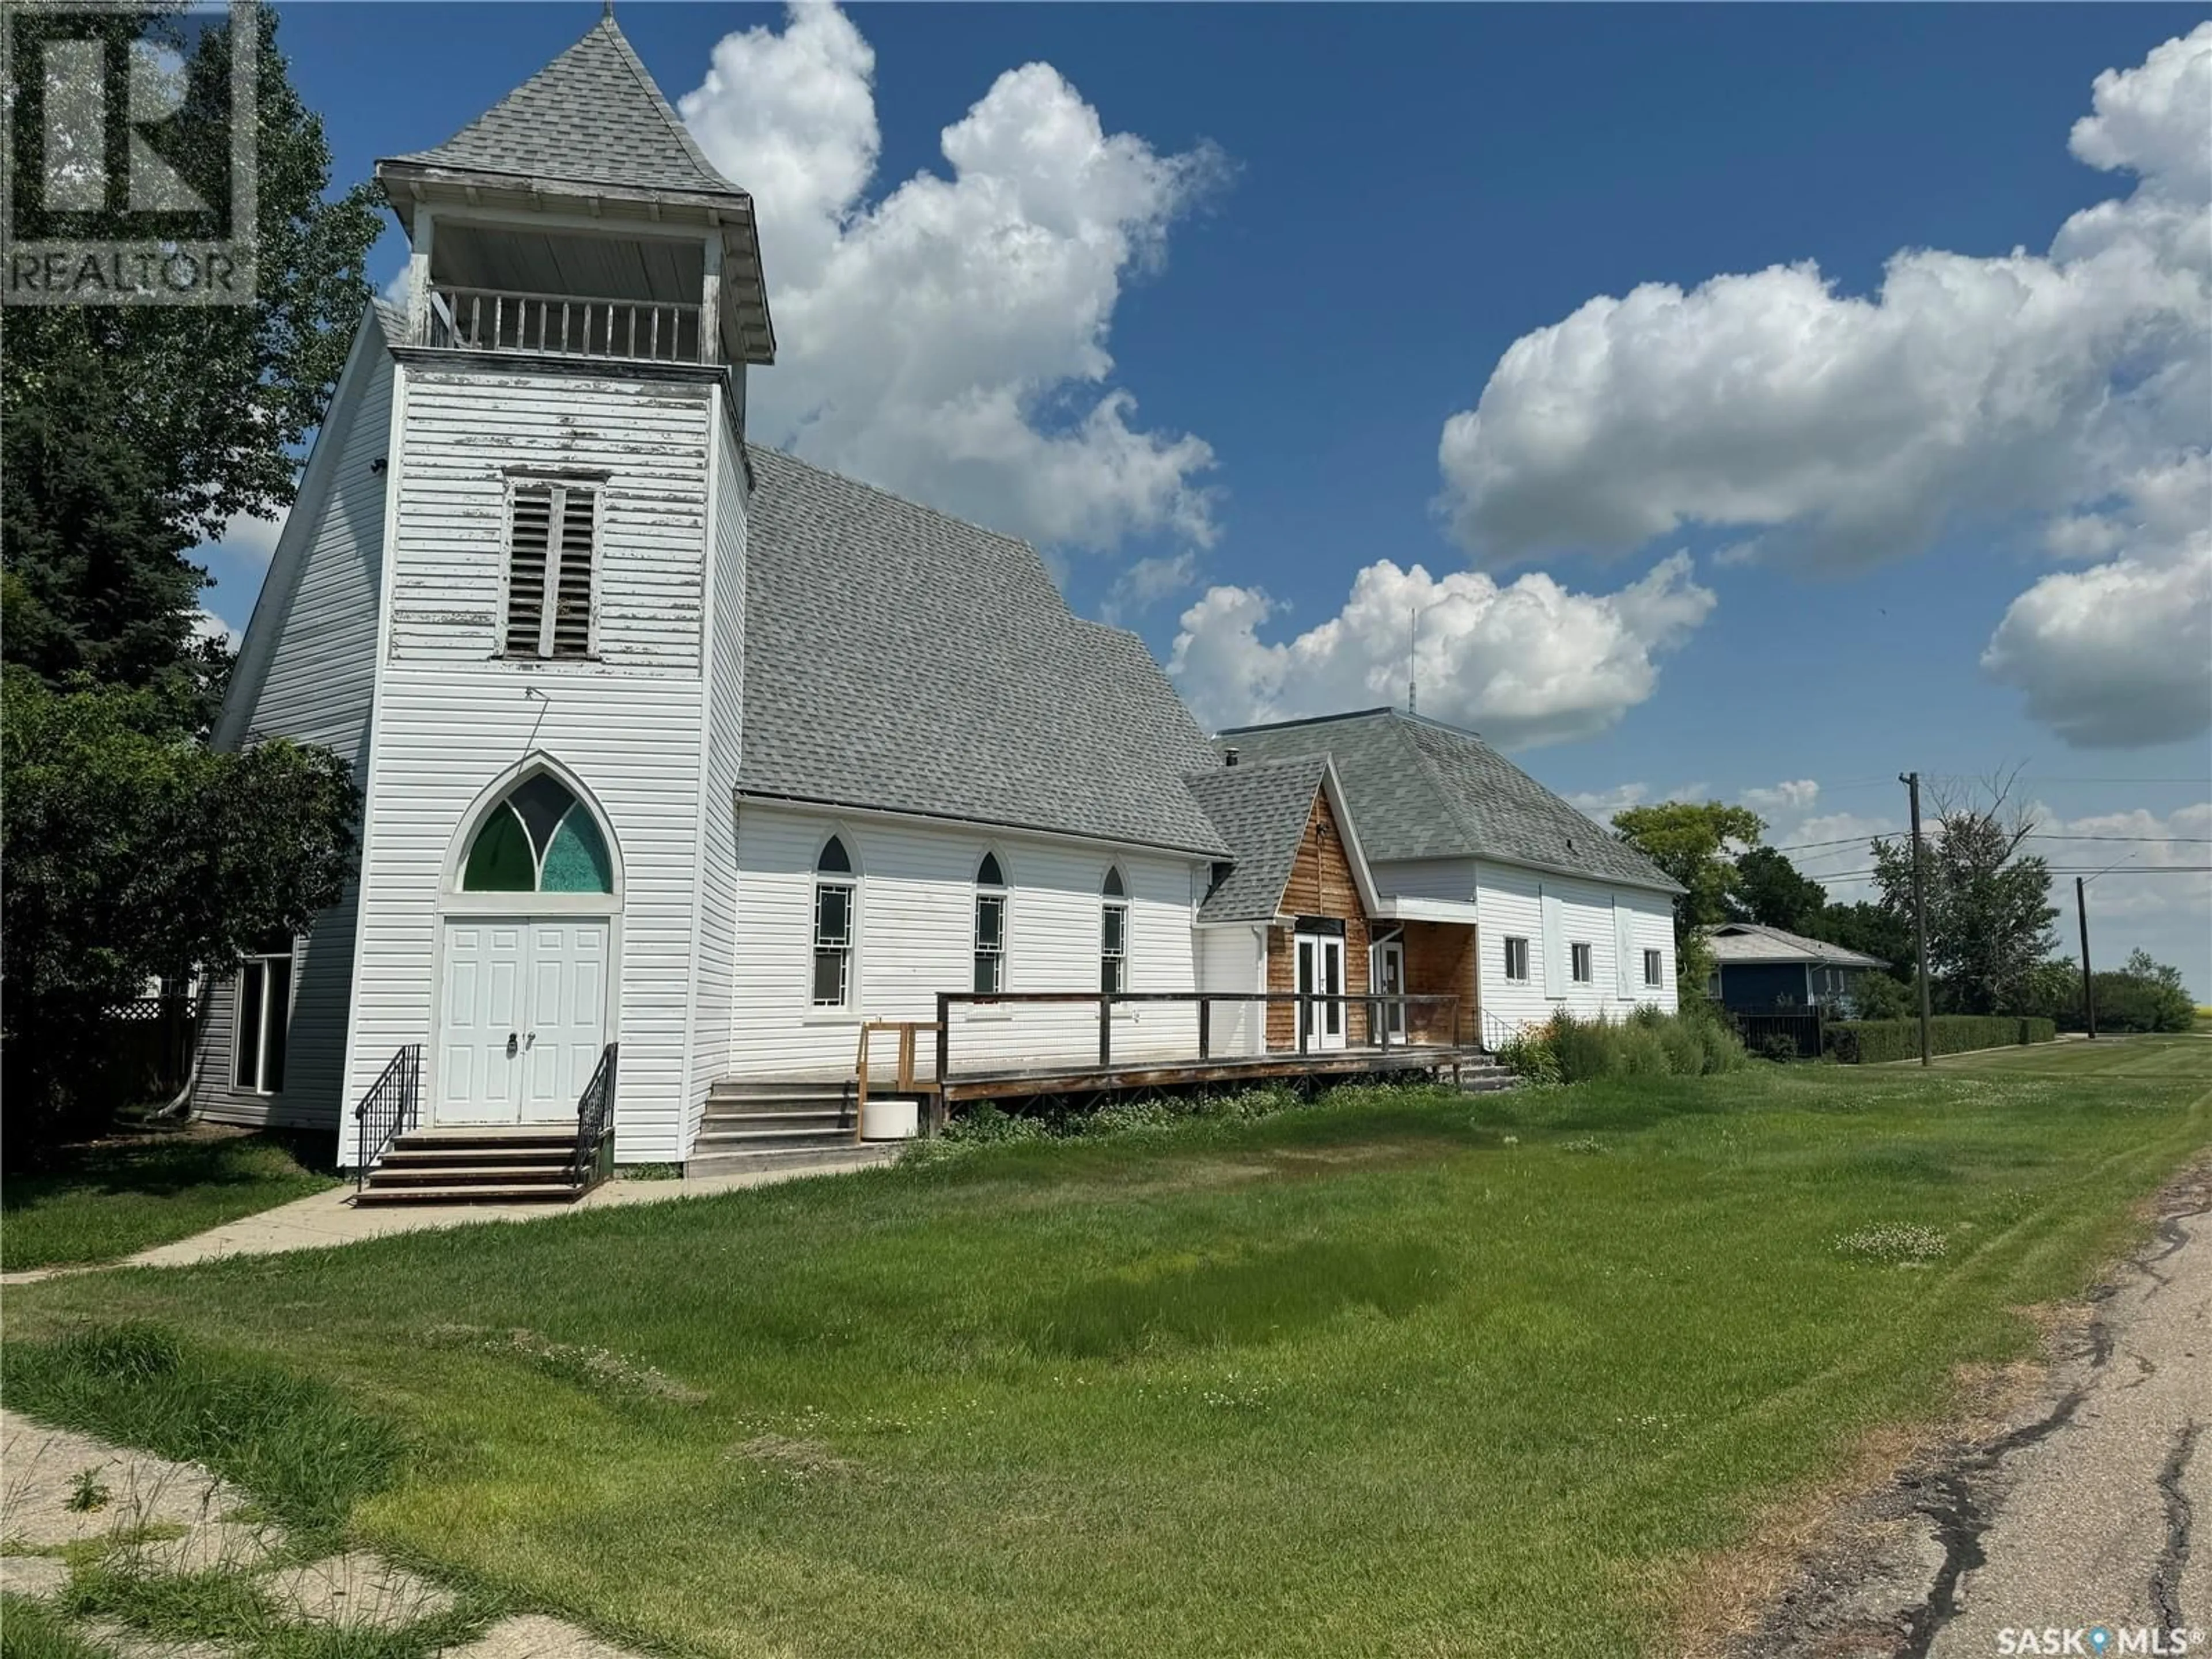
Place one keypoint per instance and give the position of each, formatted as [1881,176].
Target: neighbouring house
[688,765]
[1757,970]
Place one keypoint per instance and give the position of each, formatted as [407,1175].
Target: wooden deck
[1030,1082]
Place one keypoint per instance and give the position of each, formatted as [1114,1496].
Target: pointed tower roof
[592,116]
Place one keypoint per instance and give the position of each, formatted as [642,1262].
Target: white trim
[364,896]
[1401,907]
[853,882]
[974,826]
[1348,833]
[456,904]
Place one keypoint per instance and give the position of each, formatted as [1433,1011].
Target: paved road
[2099,1512]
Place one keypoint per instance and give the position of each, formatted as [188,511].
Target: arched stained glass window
[541,839]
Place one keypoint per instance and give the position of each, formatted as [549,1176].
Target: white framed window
[1114,933]
[834,891]
[552,547]
[1582,963]
[990,927]
[263,1016]
[1516,961]
[1654,967]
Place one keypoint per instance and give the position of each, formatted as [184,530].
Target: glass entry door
[1320,973]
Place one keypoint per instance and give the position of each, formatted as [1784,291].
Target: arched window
[541,839]
[1114,934]
[833,926]
[990,927]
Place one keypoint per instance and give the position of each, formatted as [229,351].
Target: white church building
[684,762]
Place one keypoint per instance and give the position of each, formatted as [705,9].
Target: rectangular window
[1113,948]
[1652,968]
[833,943]
[1583,968]
[264,1008]
[552,539]
[1516,960]
[990,944]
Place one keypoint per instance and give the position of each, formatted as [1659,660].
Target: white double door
[522,1020]
[1321,974]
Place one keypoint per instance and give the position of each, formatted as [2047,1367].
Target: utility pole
[1911,781]
[2088,985]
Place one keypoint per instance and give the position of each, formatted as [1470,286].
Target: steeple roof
[592,116]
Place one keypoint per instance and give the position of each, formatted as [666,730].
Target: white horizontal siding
[1511,904]
[914,937]
[1235,959]
[717,899]
[451,719]
[468,433]
[314,681]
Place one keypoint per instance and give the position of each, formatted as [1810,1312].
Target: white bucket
[891,1120]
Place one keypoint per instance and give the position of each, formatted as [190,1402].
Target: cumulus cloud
[247,537]
[1602,804]
[2134,906]
[1525,663]
[949,340]
[1148,581]
[2119,655]
[1796,795]
[1839,429]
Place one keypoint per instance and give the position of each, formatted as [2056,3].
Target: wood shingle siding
[1321,884]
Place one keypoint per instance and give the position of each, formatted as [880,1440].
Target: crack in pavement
[1961,1518]
[2180,1513]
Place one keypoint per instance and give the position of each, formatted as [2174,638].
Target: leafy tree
[1988,903]
[1770,890]
[134,852]
[1871,930]
[1878,996]
[129,434]
[1695,844]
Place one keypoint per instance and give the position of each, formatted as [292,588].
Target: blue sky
[1243,312]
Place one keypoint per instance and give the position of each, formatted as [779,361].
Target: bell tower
[563,596]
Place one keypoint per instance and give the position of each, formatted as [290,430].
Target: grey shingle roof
[591,116]
[1261,811]
[1420,789]
[1753,941]
[901,659]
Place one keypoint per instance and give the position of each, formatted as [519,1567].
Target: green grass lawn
[1399,1374]
[108,1200]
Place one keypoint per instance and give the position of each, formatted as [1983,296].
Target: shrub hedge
[1866,1042]
[1647,1043]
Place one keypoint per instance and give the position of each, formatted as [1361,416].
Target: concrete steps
[1487,1078]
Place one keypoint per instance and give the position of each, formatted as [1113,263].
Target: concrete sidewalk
[330,1218]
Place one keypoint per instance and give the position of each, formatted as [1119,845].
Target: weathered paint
[453,721]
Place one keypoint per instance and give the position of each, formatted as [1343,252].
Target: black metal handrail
[389,1107]
[595,1114]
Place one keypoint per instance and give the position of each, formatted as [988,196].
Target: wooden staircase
[752,1125]
[476,1166]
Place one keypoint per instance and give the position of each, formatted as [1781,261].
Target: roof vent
[1229,757]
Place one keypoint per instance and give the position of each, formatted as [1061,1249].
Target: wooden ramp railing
[906,1084]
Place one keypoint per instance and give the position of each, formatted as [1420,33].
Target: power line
[2068,870]
[2033,834]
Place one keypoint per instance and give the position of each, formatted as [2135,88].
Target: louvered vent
[542,564]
